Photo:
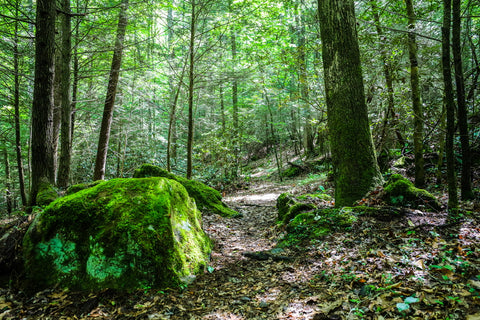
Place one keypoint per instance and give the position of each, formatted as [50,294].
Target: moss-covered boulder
[46,193]
[288,207]
[122,234]
[208,200]
[400,191]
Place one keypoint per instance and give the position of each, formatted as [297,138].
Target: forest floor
[414,267]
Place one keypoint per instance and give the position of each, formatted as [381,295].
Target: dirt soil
[420,266]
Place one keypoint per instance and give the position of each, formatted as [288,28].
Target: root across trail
[403,268]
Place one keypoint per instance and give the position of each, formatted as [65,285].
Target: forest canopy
[205,87]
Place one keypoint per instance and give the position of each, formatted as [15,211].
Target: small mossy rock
[291,172]
[297,209]
[288,207]
[208,200]
[400,191]
[315,225]
[121,234]
[46,193]
[284,202]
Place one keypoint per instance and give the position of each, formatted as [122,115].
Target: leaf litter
[420,266]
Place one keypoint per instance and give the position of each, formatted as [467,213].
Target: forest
[239,159]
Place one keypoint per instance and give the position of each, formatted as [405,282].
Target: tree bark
[309,148]
[353,154]
[236,126]
[8,178]
[416,100]
[191,84]
[466,178]
[449,105]
[66,130]
[16,104]
[42,108]
[390,121]
[100,163]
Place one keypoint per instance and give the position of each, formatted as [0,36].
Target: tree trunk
[66,130]
[8,178]
[191,83]
[100,163]
[171,124]
[42,108]
[303,83]
[390,122]
[466,179]
[416,101]
[57,101]
[449,105]
[16,104]
[236,126]
[353,154]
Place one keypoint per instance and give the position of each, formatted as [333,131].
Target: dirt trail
[369,272]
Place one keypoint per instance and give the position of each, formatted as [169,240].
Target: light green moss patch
[122,233]
[46,193]
[400,191]
[208,200]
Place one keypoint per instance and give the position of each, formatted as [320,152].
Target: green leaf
[409,300]
[402,306]
[210,269]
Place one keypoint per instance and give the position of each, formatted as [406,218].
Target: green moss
[284,202]
[81,186]
[122,233]
[291,172]
[288,207]
[297,209]
[208,200]
[317,224]
[46,193]
[400,191]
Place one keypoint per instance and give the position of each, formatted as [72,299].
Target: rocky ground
[416,267]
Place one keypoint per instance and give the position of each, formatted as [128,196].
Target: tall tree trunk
[66,130]
[303,83]
[57,100]
[171,153]
[278,157]
[390,120]
[236,126]
[100,163]
[449,105]
[76,71]
[16,104]
[191,84]
[42,108]
[466,179]
[353,154]
[222,110]
[416,100]
[8,179]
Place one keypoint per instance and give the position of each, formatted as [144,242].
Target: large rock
[208,200]
[122,234]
